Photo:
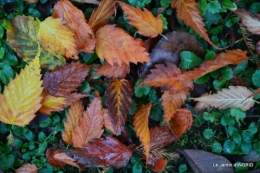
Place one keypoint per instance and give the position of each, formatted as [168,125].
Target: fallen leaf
[49,154]
[251,21]
[116,46]
[75,20]
[21,98]
[108,121]
[72,119]
[31,1]
[62,157]
[141,127]
[57,38]
[188,12]
[157,164]
[170,104]
[115,71]
[235,96]
[90,125]
[99,18]
[201,106]
[160,137]
[65,79]
[102,152]
[118,100]
[144,21]
[27,168]
[88,1]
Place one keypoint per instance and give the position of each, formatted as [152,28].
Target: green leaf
[256,78]
[29,135]
[137,168]
[140,91]
[33,12]
[232,130]
[214,7]
[41,136]
[227,73]
[231,21]
[6,73]
[18,143]
[208,133]
[133,108]
[240,68]
[246,147]
[216,147]
[219,84]
[240,167]
[255,7]
[43,1]
[7,162]
[165,23]
[3,2]
[165,3]
[46,123]
[203,6]
[237,138]
[139,3]
[238,113]
[84,88]
[1,32]
[229,4]
[252,128]
[256,147]
[152,95]
[226,120]
[182,168]
[189,60]
[210,55]
[26,156]
[247,136]
[208,117]
[2,52]
[216,30]
[228,146]
[42,148]
[202,79]
[156,112]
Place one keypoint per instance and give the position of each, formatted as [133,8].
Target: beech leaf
[144,21]
[65,79]
[62,157]
[27,168]
[76,21]
[90,125]
[88,1]
[108,121]
[235,96]
[21,98]
[160,137]
[118,100]
[116,46]
[141,127]
[50,158]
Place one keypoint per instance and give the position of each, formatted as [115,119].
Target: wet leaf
[160,137]
[27,168]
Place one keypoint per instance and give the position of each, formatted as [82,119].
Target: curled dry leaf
[160,137]
[65,79]
[52,103]
[51,160]
[118,100]
[170,104]
[100,17]
[201,106]
[75,113]
[144,21]
[27,168]
[117,46]
[188,12]
[102,152]
[90,125]
[235,96]
[56,37]
[157,164]
[62,157]
[108,121]
[88,1]
[141,127]
[75,20]
[181,122]
[251,21]
[115,71]
[20,108]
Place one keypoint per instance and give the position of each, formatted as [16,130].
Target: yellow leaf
[57,37]
[21,98]
[141,127]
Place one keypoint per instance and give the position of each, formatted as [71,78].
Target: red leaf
[50,158]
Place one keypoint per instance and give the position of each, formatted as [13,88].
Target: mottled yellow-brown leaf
[90,125]
[21,98]
[144,21]
[57,37]
[141,126]
[75,113]
[27,168]
[116,46]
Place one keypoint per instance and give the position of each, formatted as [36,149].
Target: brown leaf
[88,1]
[102,152]
[200,106]
[160,137]
[115,71]
[116,46]
[144,21]
[62,157]
[27,168]
[251,21]
[108,121]
[157,164]
[141,127]
[52,103]
[170,104]
[75,113]
[188,11]
[181,122]
[100,17]
[65,79]
[75,20]
[90,125]
[50,158]
[118,100]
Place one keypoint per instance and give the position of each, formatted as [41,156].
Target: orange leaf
[188,11]
[170,104]
[108,121]
[90,125]
[27,168]
[65,79]
[157,164]
[181,122]
[118,100]
[62,157]
[52,103]
[50,158]
[160,137]
[100,17]
[116,71]
[75,113]
[141,127]
[144,21]
[76,21]
[116,46]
